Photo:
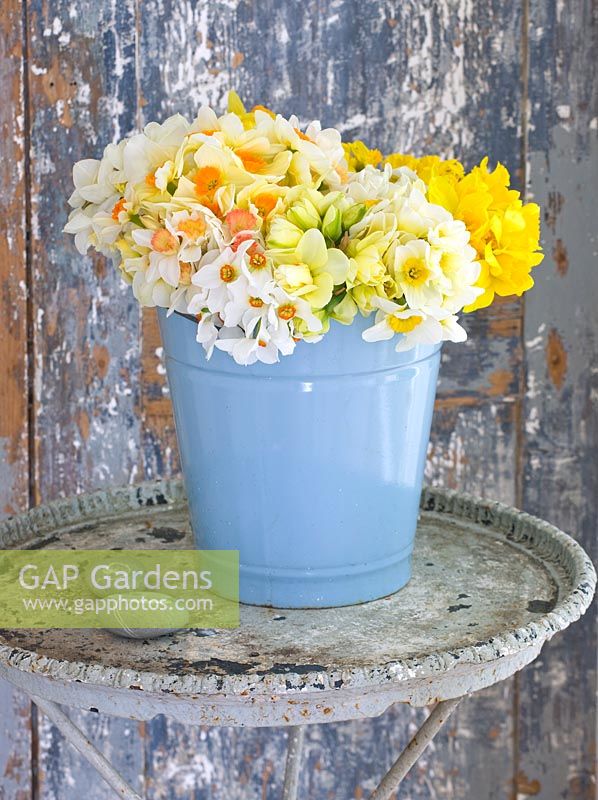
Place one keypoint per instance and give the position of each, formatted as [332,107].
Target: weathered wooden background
[83,400]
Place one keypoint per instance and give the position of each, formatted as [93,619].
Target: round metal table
[490,585]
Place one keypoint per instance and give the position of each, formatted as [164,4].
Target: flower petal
[312,249]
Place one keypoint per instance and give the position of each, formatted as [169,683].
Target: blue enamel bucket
[311,468]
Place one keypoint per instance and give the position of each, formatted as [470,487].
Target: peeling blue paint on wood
[557,718]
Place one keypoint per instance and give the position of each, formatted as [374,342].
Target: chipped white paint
[187,57]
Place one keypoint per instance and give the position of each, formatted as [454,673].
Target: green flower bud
[283,235]
[332,225]
[345,311]
[353,215]
[304,214]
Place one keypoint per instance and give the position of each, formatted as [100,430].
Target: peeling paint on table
[490,586]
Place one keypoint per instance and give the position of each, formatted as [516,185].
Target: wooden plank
[15,744]
[436,77]
[557,720]
[66,775]
[14,463]
[15,709]
[159,447]
[83,94]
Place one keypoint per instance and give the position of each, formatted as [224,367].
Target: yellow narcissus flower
[426,167]
[262,198]
[358,155]
[236,106]
[504,231]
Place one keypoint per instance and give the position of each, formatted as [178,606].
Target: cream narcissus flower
[97,200]
[413,326]
[270,233]
[310,270]
[146,152]
[418,275]
[367,267]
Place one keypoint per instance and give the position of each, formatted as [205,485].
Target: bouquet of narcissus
[267,234]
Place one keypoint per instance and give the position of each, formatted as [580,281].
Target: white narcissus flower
[85,174]
[418,274]
[206,120]
[451,330]
[455,257]
[327,139]
[107,227]
[163,246]
[415,215]
[247,350]
[80,224]
[452,236]
[413,325]
[150,290]
[207,332]
[96,180]
[219,274]
[369,184]
[461,273]
[404,181]
[392,319]
[428,331]
[258,270]
[186,295]
[286,308]
[247,305]
[145,152]
[96,225]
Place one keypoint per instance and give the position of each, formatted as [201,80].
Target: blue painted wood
[85,351]
[557,715]
[15,711]
[431,75]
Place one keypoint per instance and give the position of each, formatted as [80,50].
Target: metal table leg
[388,785]
[77,738]
[291,773]
[393,778]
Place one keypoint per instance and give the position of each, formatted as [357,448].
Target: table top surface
[490,585]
